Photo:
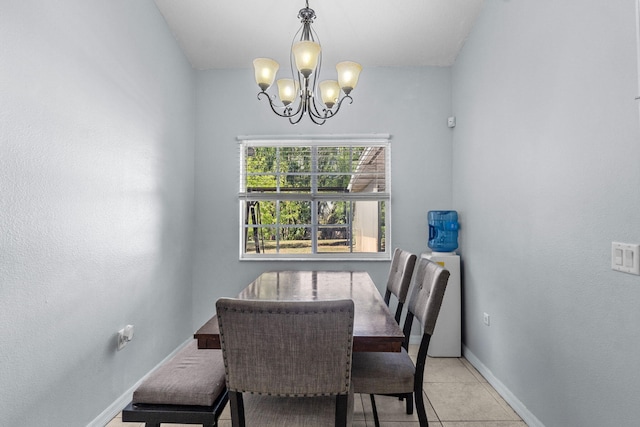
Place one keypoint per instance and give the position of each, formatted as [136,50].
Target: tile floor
[457,396]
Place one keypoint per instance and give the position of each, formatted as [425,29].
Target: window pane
[334,183]
[295,212]
[260,240]
[261,183]
[295,159]
[259,221]
[356,157]
[297,241]
[261,159]
[368,226]
[370,171]
[334,212]
[296,183]
[368,182]
[334,159]
[333,239]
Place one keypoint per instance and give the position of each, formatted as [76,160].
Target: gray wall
[96,206]
[415,114]
[545,177]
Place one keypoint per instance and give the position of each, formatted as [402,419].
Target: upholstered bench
[188,389]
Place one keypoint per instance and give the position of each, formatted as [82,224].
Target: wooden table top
[374,327]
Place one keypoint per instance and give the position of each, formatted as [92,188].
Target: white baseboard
[502,390]
[114,409]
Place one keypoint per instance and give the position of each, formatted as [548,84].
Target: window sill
[321,258]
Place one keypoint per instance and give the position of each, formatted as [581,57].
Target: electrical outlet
[486,319]
[124,336]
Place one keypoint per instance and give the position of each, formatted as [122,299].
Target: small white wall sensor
[451,122]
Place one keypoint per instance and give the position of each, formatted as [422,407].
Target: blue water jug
[443,230]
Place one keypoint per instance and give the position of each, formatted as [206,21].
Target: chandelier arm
[273,106]
[318,120]
[315,112]
[295,118]
[329,113]
[319,123]
[334,112]
[298,110]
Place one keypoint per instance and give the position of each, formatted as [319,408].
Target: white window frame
[316,141]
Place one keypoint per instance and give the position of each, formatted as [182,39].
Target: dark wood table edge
[208,337]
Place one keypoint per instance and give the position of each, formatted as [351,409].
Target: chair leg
[342,405]
[422,413]
[375,411]
[236,404]
[409,399]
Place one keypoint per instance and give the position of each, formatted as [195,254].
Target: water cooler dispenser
[443,241]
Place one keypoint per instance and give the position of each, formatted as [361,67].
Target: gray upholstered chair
[399,278]
[394,373]
[287,363]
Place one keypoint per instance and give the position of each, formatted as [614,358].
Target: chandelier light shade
[348,73]
[306,54]
[299,95]
[266,70]
[288,90]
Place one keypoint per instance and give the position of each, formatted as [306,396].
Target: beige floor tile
[226,413]
[404,424]
[473,370]
[391,409]
[484,424]
[117,422]
[465,402]
[447,370]
[358,409]
[514,416]
[358,414]
[413,352]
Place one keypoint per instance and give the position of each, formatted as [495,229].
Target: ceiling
[231,33]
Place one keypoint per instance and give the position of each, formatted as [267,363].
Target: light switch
[624,257]
[618,256]
[628,258]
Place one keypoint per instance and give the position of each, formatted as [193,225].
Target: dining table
[374,328]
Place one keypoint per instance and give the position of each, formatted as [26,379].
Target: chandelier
[298,94]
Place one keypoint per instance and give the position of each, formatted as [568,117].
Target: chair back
[286,348]
[399,278]
[427,292]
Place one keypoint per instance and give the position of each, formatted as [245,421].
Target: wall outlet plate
[124,336]
[624,257]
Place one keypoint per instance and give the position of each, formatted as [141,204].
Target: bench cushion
[191,377]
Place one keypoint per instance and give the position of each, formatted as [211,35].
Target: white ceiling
[231,33]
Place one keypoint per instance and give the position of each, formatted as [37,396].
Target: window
[316,198]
